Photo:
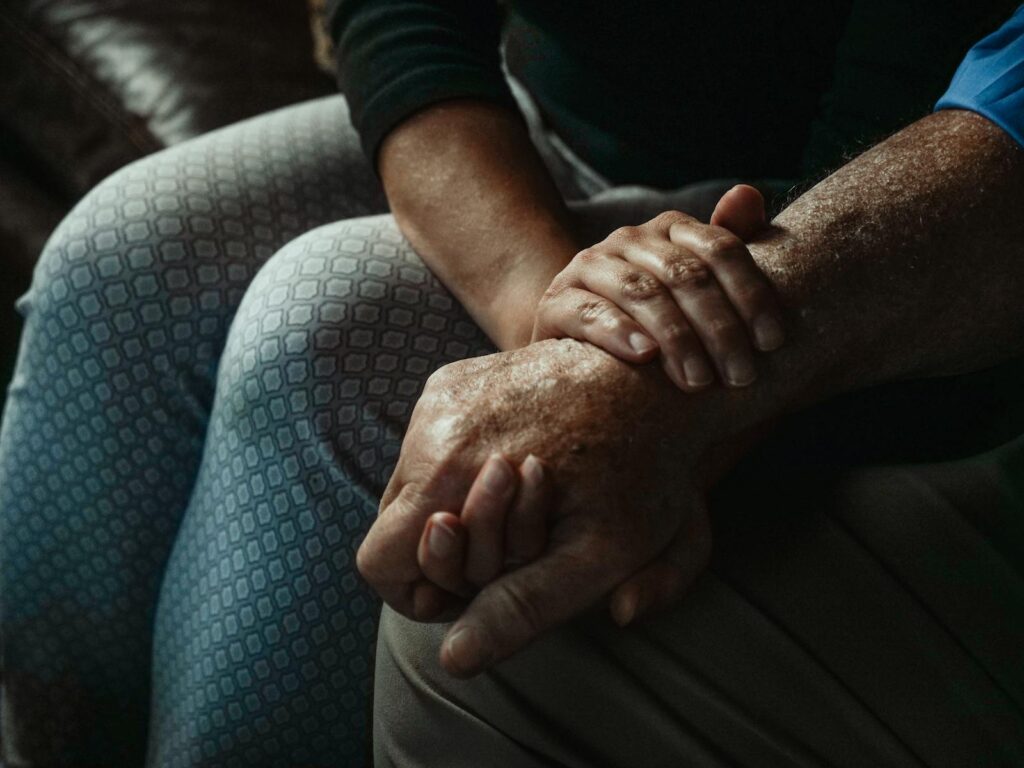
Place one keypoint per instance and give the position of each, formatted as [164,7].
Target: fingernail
[768,333]
[466,649]
[698,373]
[739,370]
[441,540]
[640,343]
[533,470]
[676,373]
[496,477]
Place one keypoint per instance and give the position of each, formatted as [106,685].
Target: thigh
[871,617]
[265,631]
[107,413]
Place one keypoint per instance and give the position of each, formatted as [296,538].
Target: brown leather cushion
[95,83]
[90,85]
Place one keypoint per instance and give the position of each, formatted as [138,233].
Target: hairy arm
[471,194]
[906,262]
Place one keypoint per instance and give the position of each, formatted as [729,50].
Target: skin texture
[511,529]
[499,529]
[461,171]
[907,262]
[469,191]
[471,194]
[690,289]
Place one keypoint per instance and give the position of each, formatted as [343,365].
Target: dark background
[87,86]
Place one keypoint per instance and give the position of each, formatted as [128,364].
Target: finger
[704,304]
[517,607]
[526,528]
[639,292]
[741,210]
[746,286]
[387,557]
[433,604]
[667,579]
[581,315]
[442,553]
[483,515]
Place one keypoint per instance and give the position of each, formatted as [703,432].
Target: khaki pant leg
[874,618]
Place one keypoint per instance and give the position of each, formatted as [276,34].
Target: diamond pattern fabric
[166,440]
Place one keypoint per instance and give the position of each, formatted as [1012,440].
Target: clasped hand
[533,483]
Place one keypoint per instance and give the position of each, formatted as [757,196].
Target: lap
[106,417]
[868,617]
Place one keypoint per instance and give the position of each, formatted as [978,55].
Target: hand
[629,515]
[502,526]
[688,288]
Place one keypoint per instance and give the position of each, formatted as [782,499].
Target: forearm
[471,194]
[907,262]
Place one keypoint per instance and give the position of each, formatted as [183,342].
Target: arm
[906,262]
[471,194]
[426,92]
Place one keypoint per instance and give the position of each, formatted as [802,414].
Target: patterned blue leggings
[185,474]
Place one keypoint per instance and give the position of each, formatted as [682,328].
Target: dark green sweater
[664,92]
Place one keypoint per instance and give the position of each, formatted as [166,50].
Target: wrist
[514,306]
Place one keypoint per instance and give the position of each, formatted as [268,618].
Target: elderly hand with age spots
[503,521]
[623,453]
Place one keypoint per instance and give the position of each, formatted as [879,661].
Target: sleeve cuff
[990,80]
[421,88]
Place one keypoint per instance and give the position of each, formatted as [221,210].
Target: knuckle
[437,380]
[723,247]
[365,562]
[625,234]
[669,218]
[681,273]
[675,333]
[640,286]
[586,256]
[591,311]
[433,399]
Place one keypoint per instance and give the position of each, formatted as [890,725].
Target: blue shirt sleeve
[990,80]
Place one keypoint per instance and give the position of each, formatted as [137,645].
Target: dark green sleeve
[395,57]
[893,62]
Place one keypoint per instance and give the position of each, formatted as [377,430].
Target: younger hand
[502,525]
[691,290]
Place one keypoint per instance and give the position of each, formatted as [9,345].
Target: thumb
[665,580]
[510,612]
[741,211]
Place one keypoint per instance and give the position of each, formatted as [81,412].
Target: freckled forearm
[907,262]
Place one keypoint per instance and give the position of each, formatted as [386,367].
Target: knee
[337,333]
[345,275]
[345,309]
[145,252]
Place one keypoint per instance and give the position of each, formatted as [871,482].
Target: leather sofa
[87,86]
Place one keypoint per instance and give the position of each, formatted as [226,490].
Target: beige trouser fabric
[866,617]
[851,617]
